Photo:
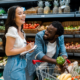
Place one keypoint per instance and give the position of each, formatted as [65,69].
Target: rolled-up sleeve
[39,49]
[62,46]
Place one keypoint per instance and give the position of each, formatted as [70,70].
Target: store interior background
[74,6]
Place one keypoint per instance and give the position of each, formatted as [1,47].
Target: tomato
[30,27]
[33,27]
[26,27]
[37,24]
[77,77]
[73,78]
[29,24]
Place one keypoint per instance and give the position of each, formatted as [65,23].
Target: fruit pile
[76,78]
[2,28]
[72,46]
[42,27]
[28,41]
[30,25]
[72,30]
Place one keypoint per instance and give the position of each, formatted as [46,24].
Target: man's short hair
[58,25]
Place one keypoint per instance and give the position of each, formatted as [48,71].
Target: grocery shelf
[14,1]
[66,35]
[4,16]
[72,35]
[77,14]
[73,54]
[1,48]
[51,15]
[30,34]
[1,33]
[1,67]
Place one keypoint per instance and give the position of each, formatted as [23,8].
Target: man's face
[50,33]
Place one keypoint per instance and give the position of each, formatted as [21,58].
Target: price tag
[42,15]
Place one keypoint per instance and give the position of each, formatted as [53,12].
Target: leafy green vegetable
[60,60]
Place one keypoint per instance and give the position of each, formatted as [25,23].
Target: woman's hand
[30,46]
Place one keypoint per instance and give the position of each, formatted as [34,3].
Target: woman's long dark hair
[10,22]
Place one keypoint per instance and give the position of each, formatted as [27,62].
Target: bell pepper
[60,60]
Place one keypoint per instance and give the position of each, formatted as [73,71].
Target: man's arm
[39,51]
[62,48]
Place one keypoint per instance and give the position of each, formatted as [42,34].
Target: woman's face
[19,16]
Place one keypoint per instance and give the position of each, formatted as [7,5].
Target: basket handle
[35,61]
[68,61]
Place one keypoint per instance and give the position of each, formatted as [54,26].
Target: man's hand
[64,67]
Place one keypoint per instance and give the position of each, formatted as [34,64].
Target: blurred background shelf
[15,1]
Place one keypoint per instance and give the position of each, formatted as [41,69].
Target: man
[50,44]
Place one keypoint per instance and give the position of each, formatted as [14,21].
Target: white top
[19,42]
[51,50]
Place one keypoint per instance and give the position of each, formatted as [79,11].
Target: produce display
[42,27]
[0,41]
[28,41]
[2,28]
[72,29]
[3,61]
[30,25]
[72,46]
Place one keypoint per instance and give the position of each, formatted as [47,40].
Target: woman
[14,44]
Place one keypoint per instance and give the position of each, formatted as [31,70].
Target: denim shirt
[41,50]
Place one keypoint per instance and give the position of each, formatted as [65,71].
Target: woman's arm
[9,47]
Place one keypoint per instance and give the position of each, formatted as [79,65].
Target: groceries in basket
[64,76]
[74,69]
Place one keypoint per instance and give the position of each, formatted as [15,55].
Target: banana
[62,76]
[69,79]
[67,76]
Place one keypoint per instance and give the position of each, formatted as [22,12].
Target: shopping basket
[45,72]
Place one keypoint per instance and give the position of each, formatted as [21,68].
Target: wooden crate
[0,44]
[39,22]
[31,30]
[2,31]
